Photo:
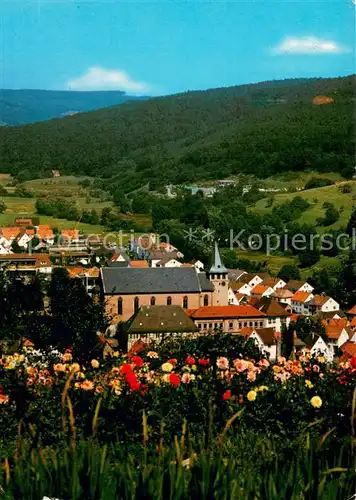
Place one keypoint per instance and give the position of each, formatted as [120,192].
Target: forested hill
[19,107]
[260,129]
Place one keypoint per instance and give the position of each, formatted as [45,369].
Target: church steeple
[218,276]
[217,267]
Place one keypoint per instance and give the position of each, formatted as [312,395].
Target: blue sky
[161,47]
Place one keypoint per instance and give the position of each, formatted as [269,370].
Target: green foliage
[291,210]
[2,206]
[289,272]
[260,129]
[331,215]
[75,316]
[316,182]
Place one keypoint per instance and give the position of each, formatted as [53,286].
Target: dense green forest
[19,107]
[259,129]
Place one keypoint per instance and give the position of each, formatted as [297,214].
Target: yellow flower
[321,359]
[309,384]
[262,388]
[167,367]
[251,395]
[95,363]
[59,367]
[75,367]
[67,357]
[316,401]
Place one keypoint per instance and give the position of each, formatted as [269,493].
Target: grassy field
[317,197]
[67,187]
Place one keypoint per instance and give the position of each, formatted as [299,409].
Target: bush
[317,182]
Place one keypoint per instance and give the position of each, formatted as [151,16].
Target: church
[126,289]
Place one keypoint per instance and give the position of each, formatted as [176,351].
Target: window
[221,325]
[136,304]
[210,326]
[206,300]
[245,323]
[185,302]
[119,306]
[169,301]
[231,325]
[199,326]
[153,301]
[204,326]
[250,323]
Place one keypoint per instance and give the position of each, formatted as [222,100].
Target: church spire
[217,267]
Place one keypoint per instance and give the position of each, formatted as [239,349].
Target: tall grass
[236,464]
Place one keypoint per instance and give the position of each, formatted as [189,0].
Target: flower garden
[184,404]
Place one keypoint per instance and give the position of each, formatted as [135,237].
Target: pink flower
[251,375]
[186,378]
[222,363]
[263,363]
[240,365]
[316,368]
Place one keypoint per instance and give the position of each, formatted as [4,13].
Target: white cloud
[97,78]
[307,45]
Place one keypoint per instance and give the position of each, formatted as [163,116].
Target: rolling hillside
[19,107]
[261,129]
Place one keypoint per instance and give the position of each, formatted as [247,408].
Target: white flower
[222,363]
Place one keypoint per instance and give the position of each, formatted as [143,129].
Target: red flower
[342,380]
[227,395]
[172,361]
[137,361]
[353,362]
[126,368]
[190,360]
[174,379]
[204,362]
[132,381]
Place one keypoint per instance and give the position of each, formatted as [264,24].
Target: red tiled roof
[260,289]
[352,311]
[284,293]
[349,348]
[226,312]
[300,296]
[353,321]
[334,331]
[70,234]
[138,263]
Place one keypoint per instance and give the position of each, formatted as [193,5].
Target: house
[56,173]
[153,323]
[199,266]
[323,303]
[8,235]
[235,274]
[233,298]
[351,313]
[348,350]
[119,256]
[275,283]
[27,264]
[89,276]
[337,335]
[267,339]
[230,318]
[138,263]
[316,346]
[299,286]
[70,235]
[300,302]
[45,234]
[276,315]
[262,291]
[284,296]
[159,258]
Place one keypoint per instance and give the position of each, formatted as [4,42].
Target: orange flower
[87,385]
[3,399]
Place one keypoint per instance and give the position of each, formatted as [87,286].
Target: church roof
[152,280]
[217,266]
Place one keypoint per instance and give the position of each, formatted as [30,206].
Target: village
[149,287]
